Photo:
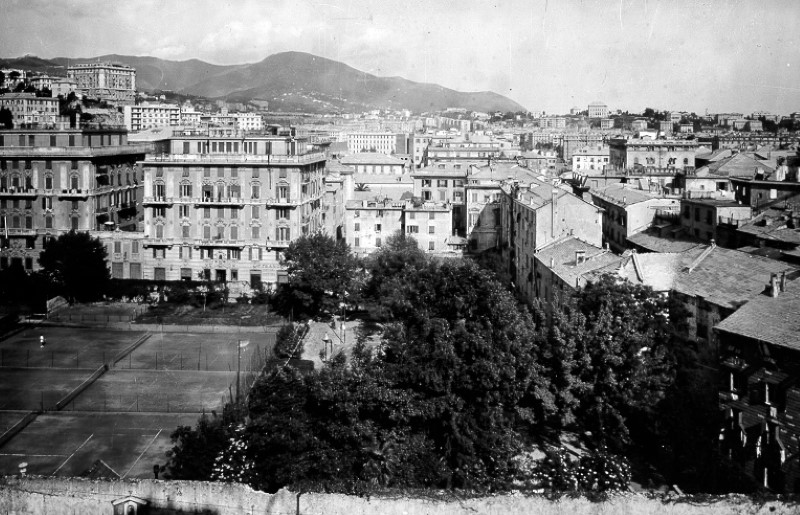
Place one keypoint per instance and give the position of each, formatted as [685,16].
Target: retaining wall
[31,495]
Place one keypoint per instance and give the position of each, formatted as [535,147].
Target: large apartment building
[53,180]
[106,81]
[141,117]
[27,108]
[223,206]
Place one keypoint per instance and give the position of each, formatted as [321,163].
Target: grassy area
[229,314]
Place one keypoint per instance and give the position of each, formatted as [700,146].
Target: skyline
[693,56]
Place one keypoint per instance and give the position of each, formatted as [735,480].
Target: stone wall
[65,496]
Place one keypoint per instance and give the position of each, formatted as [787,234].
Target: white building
[249,121]
[141,117]
[383,142]
[598,110]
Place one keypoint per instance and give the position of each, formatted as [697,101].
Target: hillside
[291,81]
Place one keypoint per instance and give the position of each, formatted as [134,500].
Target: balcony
[211,159]
[157,201]
[19,232]
[220,201]
[280,244]
[150,241]
[218,242]
[73,193]
[282,202]
[19,192]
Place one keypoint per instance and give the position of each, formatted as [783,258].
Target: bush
[598,471]
[289,342]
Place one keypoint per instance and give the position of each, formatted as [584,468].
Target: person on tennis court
[42,341]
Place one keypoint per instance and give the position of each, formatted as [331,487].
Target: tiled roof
[778,228]
[563,256]
[620,195]
[725,277]
[501,172]
[655,243]
[389,179]
[769,319]
[738,165]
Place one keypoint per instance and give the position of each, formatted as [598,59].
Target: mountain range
[290,81]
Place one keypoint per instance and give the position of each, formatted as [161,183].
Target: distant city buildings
[598,110]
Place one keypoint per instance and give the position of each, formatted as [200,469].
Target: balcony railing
[282,202]
[236,158]
[18,232]
[73,193]
[224,201]
[157,201]
[218,242]
[76,151]
[278,243]
[19,192]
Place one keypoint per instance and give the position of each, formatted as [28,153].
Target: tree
[612,349]
[389,268]
[321,276]
[76,262]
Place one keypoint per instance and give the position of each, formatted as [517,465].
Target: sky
[548,55]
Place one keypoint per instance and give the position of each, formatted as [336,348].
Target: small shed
[130,505]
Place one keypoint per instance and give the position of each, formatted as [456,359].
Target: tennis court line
[141,454]
[73,454]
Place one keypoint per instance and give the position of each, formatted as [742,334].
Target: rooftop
[372,158]
[655,243]
[769,319]
[562,254]
[621,195]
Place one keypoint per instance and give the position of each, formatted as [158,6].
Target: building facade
[141,117]
[223,207]
[106,81]
[56,180]
[28,109]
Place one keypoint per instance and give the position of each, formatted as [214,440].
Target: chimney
[552,262]
[783,281]
[773,285]
[580,257]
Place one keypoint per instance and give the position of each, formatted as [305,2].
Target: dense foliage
[321,272]
[76,264]
[464,382]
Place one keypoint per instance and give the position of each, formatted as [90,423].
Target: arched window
[73,181]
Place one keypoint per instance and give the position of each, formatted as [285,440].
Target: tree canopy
[321,273]
[76,264]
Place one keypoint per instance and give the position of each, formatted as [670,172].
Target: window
[206,212]
[696,215]
[234,213]
[117,247]
[254,212]
[234,232]
[48,222]
[431,230]
[426,183]
[686,212]
[441,183]
[377,227]
[134,247]
[431,245]
[283,192]
[282,234]
[185,231]
[282,213]
[356,242]
[48,182]
[431,216]
[159,211]
[773,194]
[377,242]
[426,195]
[412,229]
[206,232]
[474,197]
[75,225]
[186,190]
[282,173]
[159,231]
[357,227]
[411,215]
[255,232]
[255,191]
[183,211]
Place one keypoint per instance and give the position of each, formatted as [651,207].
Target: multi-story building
[553,122]
[27,108]
[444,182]
[590,157]
[369,222]
[141,117]
[190,117]
[249,121]
[107,81]
[223,206]
[60,179]
[714,220]
[606,124]
[598,110]
[759,363]
[667,155]
[543,162]
[431,224]
[629,211]
[375,163]
[381,142]
[536,214]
